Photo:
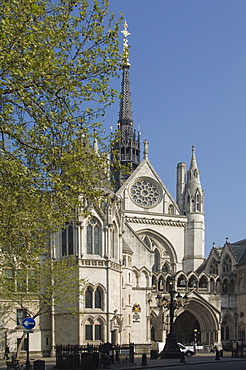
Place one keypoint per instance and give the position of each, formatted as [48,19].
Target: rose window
[145,193]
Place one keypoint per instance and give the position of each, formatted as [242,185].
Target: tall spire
[128,145]
[125,114]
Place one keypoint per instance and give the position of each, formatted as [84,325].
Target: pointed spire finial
[146,149]
[125,45]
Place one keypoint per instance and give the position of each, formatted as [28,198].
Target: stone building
[139,243]
[136,245]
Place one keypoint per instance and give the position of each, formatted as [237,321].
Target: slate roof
[239,250]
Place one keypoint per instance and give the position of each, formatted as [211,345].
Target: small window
[20,316]
[88,298]
[67,240]
[227,264]
[98,332]
[171,210]
[98,298]
[88,332]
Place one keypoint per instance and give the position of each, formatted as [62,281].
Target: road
[240,365]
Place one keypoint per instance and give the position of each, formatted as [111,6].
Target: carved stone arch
[226,263]
[144,278]
[212,285]
[99,296]
[169,282]
[88,318]
[94,236]
[214,267]
[165,247]
[203,282]
[241,331]
[154,327]
[218,285]
[135,276]
[192,281]
[100,318]
[200,315]
[228,325]
[225,285]
[161,283]
[231,285]
[89,296]
[165,267]
[181,279]
[154,282]
[114,242]
[197,201]
[188,200]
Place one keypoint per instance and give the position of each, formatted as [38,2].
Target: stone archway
[199,315]
[185,326]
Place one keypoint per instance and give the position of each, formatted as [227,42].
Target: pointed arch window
[222,333]
[89,330]
[227,264]
[156,266]
[88,298]
[152,333]
[214,267]
[242,333]
[114,241]
[227,333]
[98,298]
[170,209]
[147,241]
[165,268]
[93,237]
[68,240]
[198,201]
[98,330]
[225,286]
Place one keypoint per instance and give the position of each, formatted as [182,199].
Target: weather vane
[125,44]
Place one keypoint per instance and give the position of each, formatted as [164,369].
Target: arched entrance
[187,328]
[199,321]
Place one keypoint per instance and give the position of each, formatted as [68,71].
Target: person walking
[6,354]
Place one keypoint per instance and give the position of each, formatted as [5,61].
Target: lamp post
[195,340]
[236,318]
[171,349]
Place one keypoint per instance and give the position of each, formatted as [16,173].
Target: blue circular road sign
[28,323]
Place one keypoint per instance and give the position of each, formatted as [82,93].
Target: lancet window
[93,237]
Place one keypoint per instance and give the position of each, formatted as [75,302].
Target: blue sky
[188,87]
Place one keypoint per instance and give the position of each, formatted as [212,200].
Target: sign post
[28,324]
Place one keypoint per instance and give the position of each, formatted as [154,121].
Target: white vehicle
[187,351]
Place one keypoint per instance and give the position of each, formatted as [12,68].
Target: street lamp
[236,318]
[171,349]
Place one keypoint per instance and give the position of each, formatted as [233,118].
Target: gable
[144,192]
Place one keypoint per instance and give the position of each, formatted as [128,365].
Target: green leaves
[57,59]
[56,62]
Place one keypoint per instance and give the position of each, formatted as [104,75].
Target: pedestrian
[6,354]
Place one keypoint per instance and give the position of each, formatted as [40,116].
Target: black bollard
[217,356]
[182,357]
[144,360]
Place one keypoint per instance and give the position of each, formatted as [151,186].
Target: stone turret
[193,206]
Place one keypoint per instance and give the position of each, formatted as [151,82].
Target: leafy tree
[57,58]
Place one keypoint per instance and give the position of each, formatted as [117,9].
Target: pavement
[199,358]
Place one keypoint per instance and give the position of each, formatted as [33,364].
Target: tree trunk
[20,346]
